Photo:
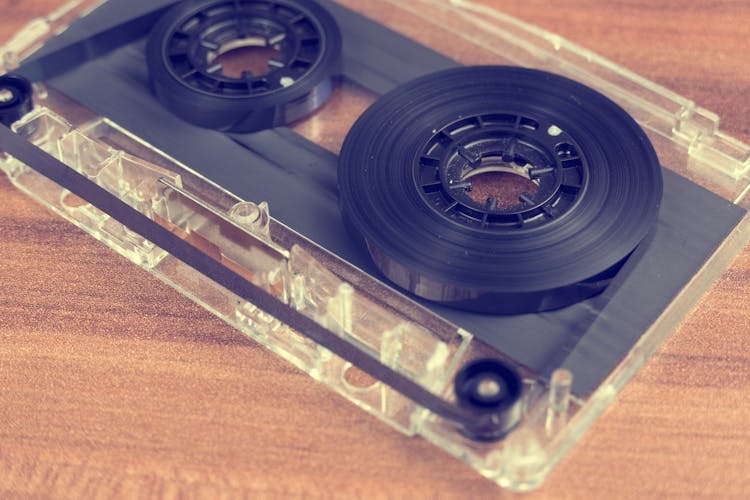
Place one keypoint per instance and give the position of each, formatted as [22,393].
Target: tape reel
[499,189]
[186,46]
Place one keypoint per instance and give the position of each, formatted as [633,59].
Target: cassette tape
[471,228]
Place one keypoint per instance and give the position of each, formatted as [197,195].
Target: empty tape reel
[299,48]
[499,189]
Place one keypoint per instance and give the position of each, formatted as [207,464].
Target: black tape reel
[499,189]
[298,42]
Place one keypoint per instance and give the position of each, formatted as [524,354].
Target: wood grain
[112,384]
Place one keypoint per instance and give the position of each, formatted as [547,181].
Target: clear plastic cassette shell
[244,236]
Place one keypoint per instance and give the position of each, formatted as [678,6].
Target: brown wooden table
[111,383]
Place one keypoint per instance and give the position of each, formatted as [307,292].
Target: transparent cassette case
[244,236]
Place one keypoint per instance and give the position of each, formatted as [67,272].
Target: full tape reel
[499,189]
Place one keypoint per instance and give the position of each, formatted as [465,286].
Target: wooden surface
[113,384]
